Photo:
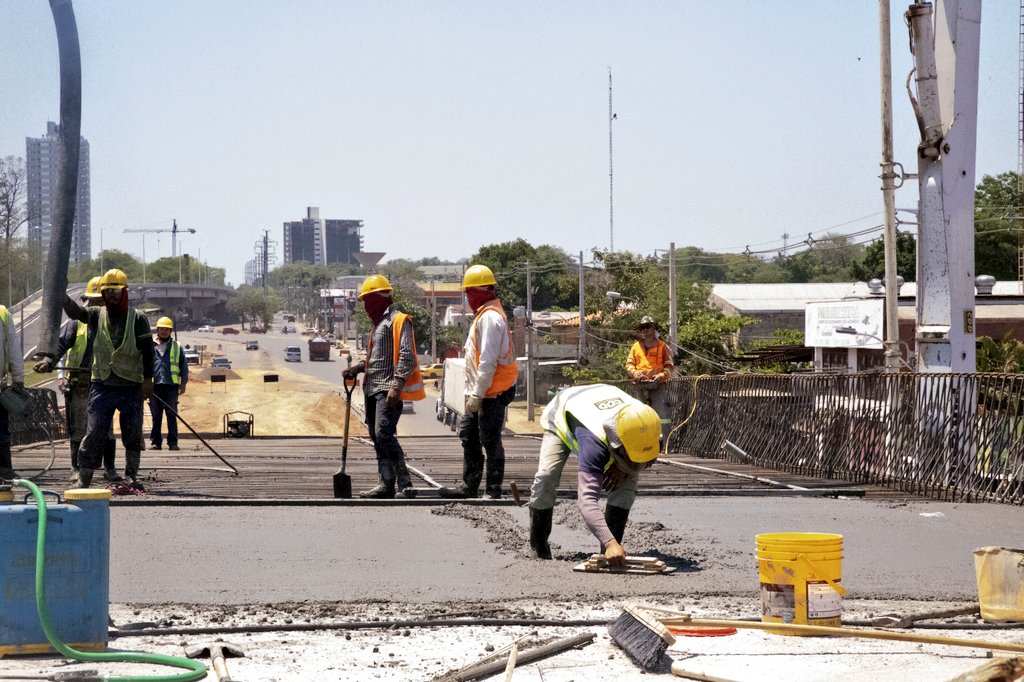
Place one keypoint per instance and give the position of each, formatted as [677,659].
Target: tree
[255,304]
[1005,356]
[998,225]
[553,275]
[300,284]
[872,265]
[13,214]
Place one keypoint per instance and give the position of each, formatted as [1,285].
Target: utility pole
[530,387]
[583,316]
[611,170]
[433,321]
[672,312]
[266,257]
[946,75]
[892,320]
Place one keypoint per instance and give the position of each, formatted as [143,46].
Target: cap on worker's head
[113,279]
[637,429]
[478,276]
[646,321]
[165,322]
[92,289]
[374,284]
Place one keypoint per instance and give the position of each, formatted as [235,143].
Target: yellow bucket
[1000,572]
[800,575]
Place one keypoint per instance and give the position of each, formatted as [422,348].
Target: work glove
[44,366]
[474,404]
[62,385]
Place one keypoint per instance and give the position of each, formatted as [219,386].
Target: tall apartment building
[42,159]
[318,241]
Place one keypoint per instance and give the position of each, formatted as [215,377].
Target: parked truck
[452,402]
[319,349]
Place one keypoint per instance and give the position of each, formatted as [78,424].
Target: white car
[292,354]
[205,328]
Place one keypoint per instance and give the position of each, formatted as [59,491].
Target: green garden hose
[196,670]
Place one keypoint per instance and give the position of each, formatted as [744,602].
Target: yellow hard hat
[92,289]
[165,322]
[374,284]
[638,428]
[478,276]
[113,279]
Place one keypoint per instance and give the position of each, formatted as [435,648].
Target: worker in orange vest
[392,376]
[650,367]
[491,374]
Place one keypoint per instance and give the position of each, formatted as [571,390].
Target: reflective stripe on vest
[5,316]
[413,388]
[174,357]
[589,406]
[77,351]
[507,372]
[126,360]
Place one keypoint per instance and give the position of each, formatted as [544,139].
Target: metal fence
[42,422]
[957,437]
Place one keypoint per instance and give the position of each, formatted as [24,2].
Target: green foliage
[553,275]
[300,284]
[1005,356]
[872,265]
[253,304]
[998,225]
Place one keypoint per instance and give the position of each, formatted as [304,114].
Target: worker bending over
[615,436]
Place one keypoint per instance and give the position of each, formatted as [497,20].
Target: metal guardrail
[955,437]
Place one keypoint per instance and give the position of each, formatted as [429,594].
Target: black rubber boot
[84,477]
[383,491]
[459,493]
[6,467]
[616,518]
[540,531]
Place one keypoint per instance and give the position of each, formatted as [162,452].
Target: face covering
[477,296]
[375,306]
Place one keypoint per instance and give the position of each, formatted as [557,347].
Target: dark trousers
[5,427]
[480,432]
[169,394]
[103,401]
[76,411]
[382,423]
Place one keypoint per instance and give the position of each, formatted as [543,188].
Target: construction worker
[392,375]
[122,375]
[74,349]
[170,376]
[615,436]
[491,374]
[650,367]
[10,366]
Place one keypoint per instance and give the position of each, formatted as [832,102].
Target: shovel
[342,481]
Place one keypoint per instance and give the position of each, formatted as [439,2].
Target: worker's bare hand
[62,385]
[394,398]
[44,366]
[613,478]
[181,389]
[353,371]
[147,388]
[614,554]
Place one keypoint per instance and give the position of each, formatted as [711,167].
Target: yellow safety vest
[507,372]
[174,355]
[126,360]
[77,352]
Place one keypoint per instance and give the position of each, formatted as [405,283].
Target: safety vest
[413,388]
[588,406]
[5,317]
[507,372]
[77,351]
[174,356]
[126,360]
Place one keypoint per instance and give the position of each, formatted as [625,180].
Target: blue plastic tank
[77,571]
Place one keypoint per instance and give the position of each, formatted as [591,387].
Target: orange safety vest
[507,373]
[413,388]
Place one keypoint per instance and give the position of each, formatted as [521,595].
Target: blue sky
[449,125]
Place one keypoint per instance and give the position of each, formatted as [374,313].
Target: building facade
[42,161]
[319,241]
[342,240]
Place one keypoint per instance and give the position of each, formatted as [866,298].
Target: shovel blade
[342,486]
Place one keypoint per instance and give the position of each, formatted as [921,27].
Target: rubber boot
[7,471]
[383,491]
[84,477]
[540,530]
[616,518]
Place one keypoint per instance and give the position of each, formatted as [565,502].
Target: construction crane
[173,229]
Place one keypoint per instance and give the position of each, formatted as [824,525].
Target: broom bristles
[642,637]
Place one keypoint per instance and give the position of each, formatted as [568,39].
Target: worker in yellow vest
[122,375]
[11,366]
[74,348]
[392,376]
[615,437]
[170,376]
[491,374]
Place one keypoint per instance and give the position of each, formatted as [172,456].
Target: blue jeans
[169,394]
[382,422]
[103,400]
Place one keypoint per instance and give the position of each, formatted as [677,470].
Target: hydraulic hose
[197,670]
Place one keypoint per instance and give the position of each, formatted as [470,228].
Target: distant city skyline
[452,125]
[42,162]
